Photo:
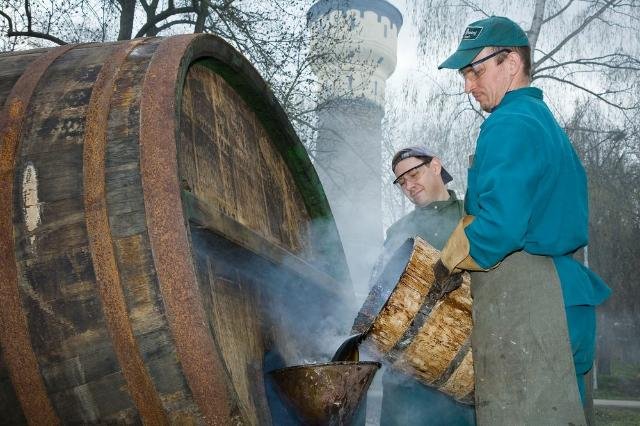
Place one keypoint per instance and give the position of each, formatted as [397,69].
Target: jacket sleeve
[511,162]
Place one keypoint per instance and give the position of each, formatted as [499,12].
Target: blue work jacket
[528,191]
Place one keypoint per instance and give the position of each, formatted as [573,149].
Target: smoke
[304,303]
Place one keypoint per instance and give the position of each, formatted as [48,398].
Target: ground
[623,383]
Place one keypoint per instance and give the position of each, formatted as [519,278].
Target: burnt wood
[425,337]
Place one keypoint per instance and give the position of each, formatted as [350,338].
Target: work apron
[523,366]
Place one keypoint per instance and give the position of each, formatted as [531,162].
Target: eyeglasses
[474,70]
[411,175]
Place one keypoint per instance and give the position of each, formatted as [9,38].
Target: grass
[623,383]
[617,416]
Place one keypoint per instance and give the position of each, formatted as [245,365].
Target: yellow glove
[455,254]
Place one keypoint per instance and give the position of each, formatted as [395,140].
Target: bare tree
[582,50]
[271,33]
[610,156]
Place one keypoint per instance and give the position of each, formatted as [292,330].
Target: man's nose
[468,85]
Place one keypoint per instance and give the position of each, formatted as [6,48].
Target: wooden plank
[69,334]
[229,160]
[168,233]
[134,259]
[16,346]
[234,317]
[215,221]
[108,280]
[11,68]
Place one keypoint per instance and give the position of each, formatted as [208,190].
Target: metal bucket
[429,342]
[325,394]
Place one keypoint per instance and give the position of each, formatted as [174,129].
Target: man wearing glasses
[527,212]
[422,178]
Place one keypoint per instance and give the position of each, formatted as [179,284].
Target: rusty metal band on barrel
[14,329]
[103,255]
[201,362]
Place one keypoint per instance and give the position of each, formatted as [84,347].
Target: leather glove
[455,254]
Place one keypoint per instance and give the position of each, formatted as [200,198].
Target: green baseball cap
[492,31]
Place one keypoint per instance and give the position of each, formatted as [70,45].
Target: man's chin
[421,202]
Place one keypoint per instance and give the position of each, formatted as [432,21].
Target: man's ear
[514,62]
[435,165]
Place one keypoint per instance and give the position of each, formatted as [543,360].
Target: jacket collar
[436,205]
[514,95]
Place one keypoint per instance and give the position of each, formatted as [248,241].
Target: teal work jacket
[528,191]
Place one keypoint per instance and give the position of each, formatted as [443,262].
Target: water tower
[353,54]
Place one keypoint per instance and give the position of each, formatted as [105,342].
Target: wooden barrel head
[428,342]
[151,193]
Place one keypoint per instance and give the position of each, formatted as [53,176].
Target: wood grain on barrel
[232,302]
[442,335]
[127,219]
[16,345]
[108,281]
[461,382]
[68,327]
[406,299]
[229,162]
[236,178]
[198,353]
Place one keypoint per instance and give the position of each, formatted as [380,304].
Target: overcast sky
[407,46]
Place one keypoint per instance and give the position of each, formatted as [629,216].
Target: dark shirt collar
[513,95]
[435,205]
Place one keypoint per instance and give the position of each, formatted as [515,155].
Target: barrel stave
[12,65]
[69,334]
[132,249]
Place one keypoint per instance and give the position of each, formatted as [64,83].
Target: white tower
[354,50]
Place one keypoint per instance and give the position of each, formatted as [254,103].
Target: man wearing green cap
[527,212]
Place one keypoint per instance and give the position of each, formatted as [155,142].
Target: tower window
[385,30]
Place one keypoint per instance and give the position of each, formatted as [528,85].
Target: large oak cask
[156,211]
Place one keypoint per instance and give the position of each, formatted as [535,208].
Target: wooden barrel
[430,342]
[151,192]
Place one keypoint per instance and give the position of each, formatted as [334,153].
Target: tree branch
[36,35]
[601,61]
[161,17]
[474,7]
[558,13]
[176,22]
[8,18]
[591,92]
[536,23]
[586,22]
[27,11]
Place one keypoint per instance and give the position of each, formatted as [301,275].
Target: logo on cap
[471,33]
